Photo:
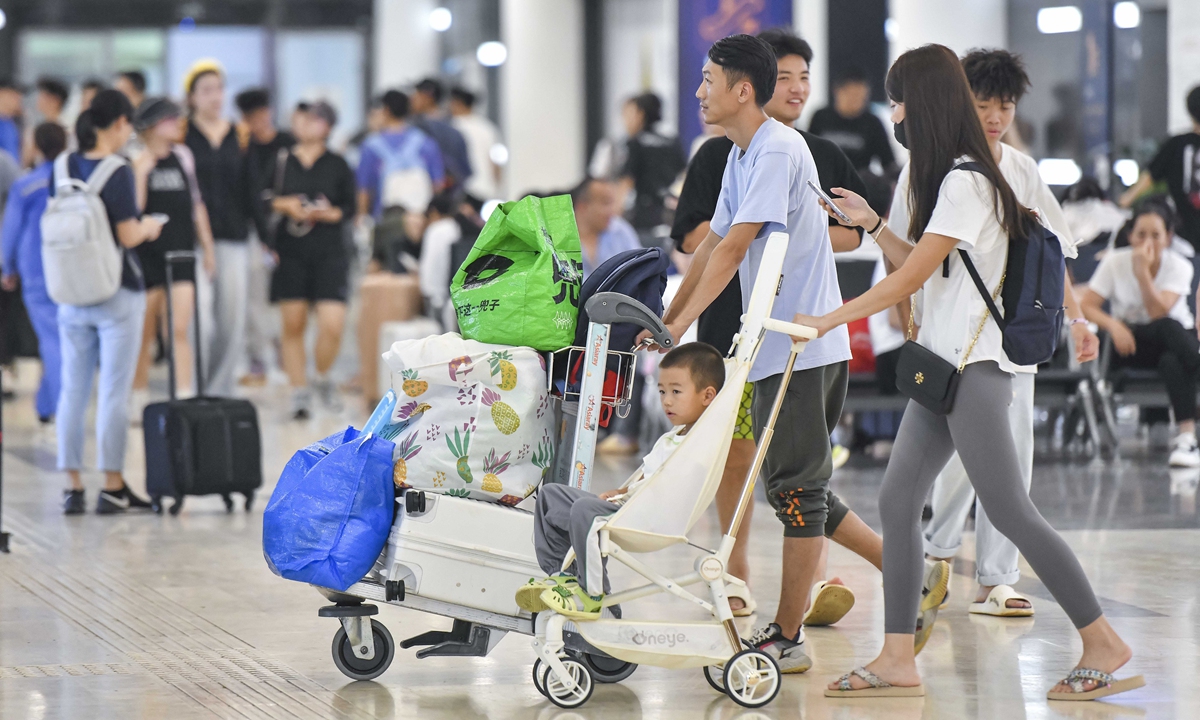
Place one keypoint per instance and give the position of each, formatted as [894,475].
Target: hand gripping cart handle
[605,309]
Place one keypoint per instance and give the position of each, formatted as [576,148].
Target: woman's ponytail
[85,131]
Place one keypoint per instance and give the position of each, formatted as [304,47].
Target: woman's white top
[884,337]
[1115,281]
[950,309]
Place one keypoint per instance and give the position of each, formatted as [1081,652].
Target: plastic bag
[330,514]
[471,420]
[520,284]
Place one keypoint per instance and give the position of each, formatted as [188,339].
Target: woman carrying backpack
[935,117]
[107,334]
[166,183]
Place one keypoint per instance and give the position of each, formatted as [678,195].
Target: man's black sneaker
[787,652]
[73,502]
[118,501]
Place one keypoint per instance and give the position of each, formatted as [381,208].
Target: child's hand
[609,495]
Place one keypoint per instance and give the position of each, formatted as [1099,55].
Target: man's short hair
[702,360]
[50,139]
[745,57]
[433,88]
[464,96]
[1193,104]
[95,84]
[851,76]
[996,75]
[253,99]
[784,42]
[582,192]
[55,87]
[136,78]
[396,103]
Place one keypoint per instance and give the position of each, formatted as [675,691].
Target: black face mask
[898,131]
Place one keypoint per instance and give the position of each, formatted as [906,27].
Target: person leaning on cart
[763,191]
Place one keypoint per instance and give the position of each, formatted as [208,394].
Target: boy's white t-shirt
[653,460]
[1115,281]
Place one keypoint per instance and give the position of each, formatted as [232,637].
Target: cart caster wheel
[751,678]
[176,506]
[156,504]
[606,669]
[557,692]
[539,667]
[228,503]
[355,667]
[715,675]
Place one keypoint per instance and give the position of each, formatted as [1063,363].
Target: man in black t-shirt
[720,322]
[1177,163]
[850,124]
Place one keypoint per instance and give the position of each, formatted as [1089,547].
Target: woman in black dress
[165,172]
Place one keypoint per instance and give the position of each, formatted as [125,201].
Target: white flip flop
[828,604]
[996,604]
[737,588]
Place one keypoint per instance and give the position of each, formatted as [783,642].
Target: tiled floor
[147,616]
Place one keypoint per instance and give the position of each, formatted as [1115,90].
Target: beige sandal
[828,604]
[996,604]
[1106,685]
[878,688]
[737,588]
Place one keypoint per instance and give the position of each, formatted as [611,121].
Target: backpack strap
[100,176]
[987,297]
[62,173]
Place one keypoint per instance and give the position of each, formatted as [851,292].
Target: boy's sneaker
[301,404]
[112,502]
[73,502]
[787,652]
[1184,451]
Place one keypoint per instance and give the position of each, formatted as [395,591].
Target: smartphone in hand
[829,201]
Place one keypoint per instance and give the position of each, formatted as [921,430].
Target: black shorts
[154,267]
[311,270]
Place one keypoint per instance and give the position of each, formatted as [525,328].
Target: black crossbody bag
[926,377]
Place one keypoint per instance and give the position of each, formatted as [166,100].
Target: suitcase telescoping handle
[173,257]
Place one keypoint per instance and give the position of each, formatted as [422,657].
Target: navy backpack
[1032,295]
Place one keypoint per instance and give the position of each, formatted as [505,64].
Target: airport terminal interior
[444,223]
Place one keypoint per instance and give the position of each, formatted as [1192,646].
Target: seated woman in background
[1146,286]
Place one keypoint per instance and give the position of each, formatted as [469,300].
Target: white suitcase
[463,551]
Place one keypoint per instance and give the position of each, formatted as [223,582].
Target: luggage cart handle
[608,308]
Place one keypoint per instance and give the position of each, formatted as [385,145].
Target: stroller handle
[608,308]
[782,326]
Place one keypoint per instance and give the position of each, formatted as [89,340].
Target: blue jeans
[43,314]
[108,335]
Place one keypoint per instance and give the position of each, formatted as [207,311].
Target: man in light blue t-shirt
[764,191]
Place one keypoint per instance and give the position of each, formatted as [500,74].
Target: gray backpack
[81,258]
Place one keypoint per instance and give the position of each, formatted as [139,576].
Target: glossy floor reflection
[145,616]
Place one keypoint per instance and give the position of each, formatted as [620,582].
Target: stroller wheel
[557,691]
[357,668]
[539,667]
[751,678]
[715,675]
[606,669]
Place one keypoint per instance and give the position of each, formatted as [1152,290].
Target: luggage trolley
[464,559]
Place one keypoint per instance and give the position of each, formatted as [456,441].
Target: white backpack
[81,259]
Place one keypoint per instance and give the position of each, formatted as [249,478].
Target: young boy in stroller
[565,519]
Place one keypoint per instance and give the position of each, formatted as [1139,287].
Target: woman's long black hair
[941,125]
[107,107]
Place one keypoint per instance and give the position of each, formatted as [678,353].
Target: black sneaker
[118,501]
[73,503]
[787,652]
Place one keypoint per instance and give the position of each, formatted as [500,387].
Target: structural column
[1183,60]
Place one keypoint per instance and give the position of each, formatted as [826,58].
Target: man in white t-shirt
[764,191]
[482,137]
[998,80]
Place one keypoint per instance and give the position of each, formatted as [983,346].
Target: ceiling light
[1127,15]
[441,19]
[1059,171]
[1064,19]
[491,53]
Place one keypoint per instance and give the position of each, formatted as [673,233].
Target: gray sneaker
[301,404]
[787,652]
[328,394]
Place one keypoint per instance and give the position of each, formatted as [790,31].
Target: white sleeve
[1104,280]
[961,209]
[1176,275]
[1052,216]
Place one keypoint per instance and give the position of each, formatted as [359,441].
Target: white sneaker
[1184,451]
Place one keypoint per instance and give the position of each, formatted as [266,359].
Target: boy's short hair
[396,103]
[54,87]
[50,139]
[784,42]
[136,78]
[1193,104]
[252,99]
[702,360]
[996,74]
[852,75]
[745,57]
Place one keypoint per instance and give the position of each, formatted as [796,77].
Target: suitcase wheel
[156,504]
[228,503]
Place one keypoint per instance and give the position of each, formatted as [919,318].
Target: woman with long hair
[222,174]
[166,184]
[106,335]
[975,211]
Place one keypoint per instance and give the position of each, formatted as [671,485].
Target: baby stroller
[464,558]
[654,519]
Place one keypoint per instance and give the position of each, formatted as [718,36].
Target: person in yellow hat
[220,171]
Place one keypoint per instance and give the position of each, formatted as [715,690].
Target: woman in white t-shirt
[1146,286]
[977,212]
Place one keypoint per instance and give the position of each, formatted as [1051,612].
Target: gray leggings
[978,429]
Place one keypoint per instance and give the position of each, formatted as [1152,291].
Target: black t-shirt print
[1178,163]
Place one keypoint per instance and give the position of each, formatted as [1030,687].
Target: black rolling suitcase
[202,445]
